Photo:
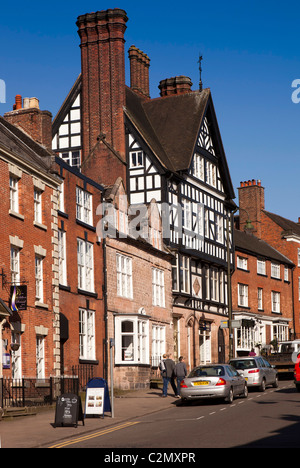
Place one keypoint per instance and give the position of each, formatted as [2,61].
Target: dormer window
[136,159]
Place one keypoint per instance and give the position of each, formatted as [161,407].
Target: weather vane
[200,70]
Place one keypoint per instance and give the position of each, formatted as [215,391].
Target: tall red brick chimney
[175,85]
[139,71]
[29,118]
[103,94]
[251,203]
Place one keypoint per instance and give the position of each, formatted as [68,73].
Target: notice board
[97,400]
[68,410]
[94,403]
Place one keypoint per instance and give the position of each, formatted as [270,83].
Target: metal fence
[35,392]
[84,372]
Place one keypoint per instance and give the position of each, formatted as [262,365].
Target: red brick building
[28,257]
[262,294]
[139,286]
[81,295]
[281,233]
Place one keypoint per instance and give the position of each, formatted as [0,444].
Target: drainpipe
[1,348]
[105,308]
[293,303]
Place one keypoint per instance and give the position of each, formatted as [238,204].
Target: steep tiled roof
[249,243]
[287,225]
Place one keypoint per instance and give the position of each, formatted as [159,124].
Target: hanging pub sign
[18,298]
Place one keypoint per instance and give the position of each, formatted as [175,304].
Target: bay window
[131,340]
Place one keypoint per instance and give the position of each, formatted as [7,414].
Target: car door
[238,382]
[269,371]
[266,371]
[262,369]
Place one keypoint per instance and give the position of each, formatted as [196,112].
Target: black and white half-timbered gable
[66,129]
[175,155]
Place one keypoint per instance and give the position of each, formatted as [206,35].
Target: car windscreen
[244,364]
[207,371]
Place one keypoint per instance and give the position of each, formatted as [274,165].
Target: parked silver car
[213,381]
[257,371]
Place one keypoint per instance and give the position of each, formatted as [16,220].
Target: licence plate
[203,382]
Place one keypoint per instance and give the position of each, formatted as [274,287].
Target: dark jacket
[170,366]
[180,369]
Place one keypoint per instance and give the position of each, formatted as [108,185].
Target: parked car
[213,381]
[257,371]
[297,373]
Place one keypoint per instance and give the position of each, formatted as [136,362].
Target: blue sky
[251,56]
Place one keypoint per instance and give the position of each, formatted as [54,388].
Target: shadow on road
[287,437]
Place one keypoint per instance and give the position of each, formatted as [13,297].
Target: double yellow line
[94,435]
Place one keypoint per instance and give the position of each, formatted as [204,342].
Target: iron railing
[35,392]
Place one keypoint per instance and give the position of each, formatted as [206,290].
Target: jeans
[166,381]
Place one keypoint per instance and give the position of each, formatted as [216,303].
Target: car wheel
[298,388]
[245,392]
[275,384]
[229,398]
[262,387]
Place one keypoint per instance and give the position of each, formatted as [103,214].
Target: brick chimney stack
[29,118]
[251,203]
[175,85]
[139,71]
[103,94]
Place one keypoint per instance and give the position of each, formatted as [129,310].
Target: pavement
[39,430]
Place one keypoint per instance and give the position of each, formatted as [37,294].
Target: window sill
[16,215]
[64,287]
[40,225]
[41,305]
[88,361]
[85,225]
[63,214]
[131,364]
[87,293]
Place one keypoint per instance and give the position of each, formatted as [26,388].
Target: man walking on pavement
[168,374]
[180,373]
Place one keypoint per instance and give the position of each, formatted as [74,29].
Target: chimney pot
[34,103]
[18,104]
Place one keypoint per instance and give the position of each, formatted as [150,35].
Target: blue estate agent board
[97,401]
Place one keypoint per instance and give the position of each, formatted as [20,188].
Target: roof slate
[286,224]
[252,244]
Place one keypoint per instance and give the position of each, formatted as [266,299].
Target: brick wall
[71,299]
[19,229]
